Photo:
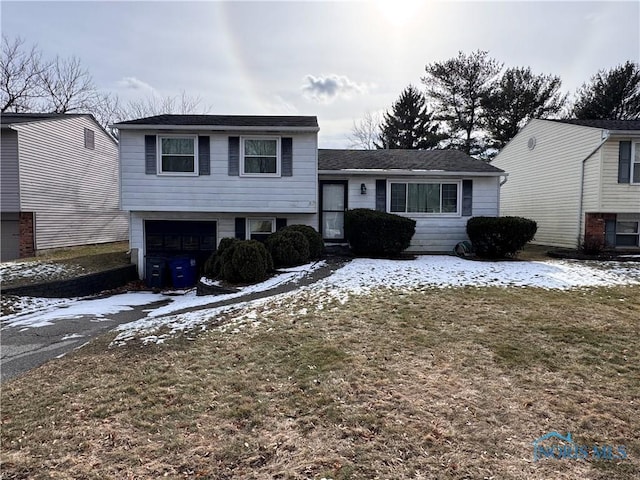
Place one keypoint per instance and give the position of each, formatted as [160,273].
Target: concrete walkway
[27,348]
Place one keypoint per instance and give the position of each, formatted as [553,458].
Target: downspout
[605,137]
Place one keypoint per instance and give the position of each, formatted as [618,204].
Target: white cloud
[326,88]
[134,83]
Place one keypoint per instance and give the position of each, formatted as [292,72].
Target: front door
[333,201]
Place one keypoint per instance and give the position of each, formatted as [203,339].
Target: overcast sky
[336,60]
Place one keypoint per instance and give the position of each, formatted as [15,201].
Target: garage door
[169,239]
[10,239]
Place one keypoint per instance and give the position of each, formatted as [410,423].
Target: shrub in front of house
[316,244]
[288,248]
[500,237]
[239,261]
[379,234]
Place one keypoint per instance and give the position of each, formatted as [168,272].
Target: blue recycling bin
[183,272]
[155,272]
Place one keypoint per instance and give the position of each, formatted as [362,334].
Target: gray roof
[605,124]
[11,118]
[226,121]
[432,160]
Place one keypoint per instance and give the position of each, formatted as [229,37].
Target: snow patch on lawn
[45,271]
[362,276]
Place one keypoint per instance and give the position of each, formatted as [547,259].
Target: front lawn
[431,383]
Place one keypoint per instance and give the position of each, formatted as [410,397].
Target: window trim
[196,162]
[248,221]
[89,139]
[632,163]
[457,213]
[278,172]
[634,234]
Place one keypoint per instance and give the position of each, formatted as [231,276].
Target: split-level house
[578,179]
[190,180]
[59,183]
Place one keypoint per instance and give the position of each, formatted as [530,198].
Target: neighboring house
[59,183]
[190,180]
[578,179]
[440,189]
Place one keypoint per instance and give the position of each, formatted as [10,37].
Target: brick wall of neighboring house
[27,236]
[594,230]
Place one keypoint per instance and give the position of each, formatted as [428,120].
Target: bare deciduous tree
[21,70]
[68,87]
[156,105]
[365,133]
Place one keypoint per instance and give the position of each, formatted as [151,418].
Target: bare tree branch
[366,132]
[21,69]
[68,87]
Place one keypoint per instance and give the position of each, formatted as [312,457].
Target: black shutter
[287,156]
[241,228]
[280,223]
[381,195]
[234,156]
[150,162]
[204,158]
[624,163]
[467,198]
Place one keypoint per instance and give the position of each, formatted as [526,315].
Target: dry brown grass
[443,384]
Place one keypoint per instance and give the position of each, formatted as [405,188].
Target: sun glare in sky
[399,12]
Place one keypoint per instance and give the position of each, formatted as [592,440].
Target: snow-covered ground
[37,270]
[360,276]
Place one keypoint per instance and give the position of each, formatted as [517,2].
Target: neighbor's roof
[428,161]
[224,121]
[13,118]
[624,125]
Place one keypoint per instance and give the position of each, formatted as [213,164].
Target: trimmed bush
[316,244]
[213,264]
[239,261]
[500,237]
[288,248]
[371,232]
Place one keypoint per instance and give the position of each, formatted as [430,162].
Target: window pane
[449,198]
[180,146]
[177,164]
[398,197]
[260,226]
[333,225]
[333,197]
[259,165]
[627,227]
[636,172]
[416,197]
[265,148]
[627,240]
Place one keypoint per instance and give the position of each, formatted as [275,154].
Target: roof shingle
[430,160]
[226,121]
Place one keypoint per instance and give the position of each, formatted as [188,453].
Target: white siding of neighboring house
[219,192]
[544,183]
[9,178]
[616,197]
[225,226]
[72,190]
[434,233]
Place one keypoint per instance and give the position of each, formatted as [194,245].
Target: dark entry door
[333,200]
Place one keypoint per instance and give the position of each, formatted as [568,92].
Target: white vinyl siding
[9,178]
[434,233]
[72,190]
[219,192]
[544,183]
[616,197]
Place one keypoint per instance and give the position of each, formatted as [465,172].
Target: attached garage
[10,230]
[174,239]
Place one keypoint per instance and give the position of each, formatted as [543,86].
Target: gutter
[410,173]
[605,136]
[217,128]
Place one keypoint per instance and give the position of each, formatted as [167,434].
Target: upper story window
[260,156]
[425,198]
[89,139]
[178,154]
[635,164]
